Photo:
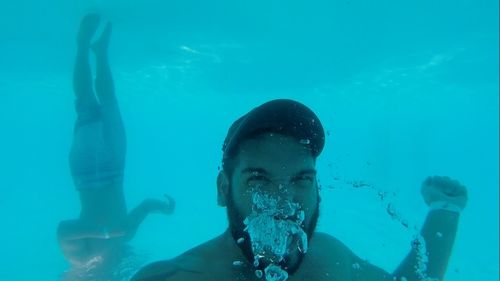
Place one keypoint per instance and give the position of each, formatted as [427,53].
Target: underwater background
[404,89]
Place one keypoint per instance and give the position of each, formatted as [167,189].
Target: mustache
[279,209]
[276,232]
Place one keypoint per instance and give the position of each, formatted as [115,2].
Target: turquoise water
[405,89]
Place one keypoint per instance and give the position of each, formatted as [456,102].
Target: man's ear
[222,189]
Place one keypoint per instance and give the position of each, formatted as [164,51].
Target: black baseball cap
[282,116]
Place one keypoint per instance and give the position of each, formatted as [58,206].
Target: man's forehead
[268,164]
[275,144]
[262,171]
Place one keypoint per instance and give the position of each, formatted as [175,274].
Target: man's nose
[283,187]
[285,193]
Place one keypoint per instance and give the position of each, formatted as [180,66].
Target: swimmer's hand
[444,191]
[166,206]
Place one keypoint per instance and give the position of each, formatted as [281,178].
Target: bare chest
[308,272]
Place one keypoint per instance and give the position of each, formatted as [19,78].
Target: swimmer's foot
[100,46]
[88,27]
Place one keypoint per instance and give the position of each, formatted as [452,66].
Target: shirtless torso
[326,259]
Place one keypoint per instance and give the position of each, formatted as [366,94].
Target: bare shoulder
[344,262]
[155,271]
[330,252]
[191,265]
[167,270]
[327,243]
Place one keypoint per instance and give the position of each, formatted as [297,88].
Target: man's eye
[303,179]
[257,179]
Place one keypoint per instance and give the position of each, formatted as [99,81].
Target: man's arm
[139,213]
[431,251]
[430,254]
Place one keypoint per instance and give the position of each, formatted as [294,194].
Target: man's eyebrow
[307,171]
[254,170]
[263,171]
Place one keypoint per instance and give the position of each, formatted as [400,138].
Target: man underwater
[97,239]
[268,185]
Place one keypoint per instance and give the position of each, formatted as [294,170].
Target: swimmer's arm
[139,213]
[135,218]
[439,233]
[429,258]
[74,230]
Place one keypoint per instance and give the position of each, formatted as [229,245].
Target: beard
[247,232]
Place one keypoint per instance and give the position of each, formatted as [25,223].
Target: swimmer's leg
[82,75]
[113,129]
[85,150]
[104,84]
